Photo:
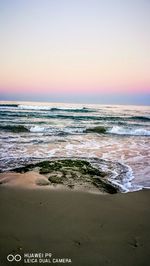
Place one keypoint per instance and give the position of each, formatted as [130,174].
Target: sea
[34,131]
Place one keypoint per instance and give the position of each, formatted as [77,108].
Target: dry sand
[89,229]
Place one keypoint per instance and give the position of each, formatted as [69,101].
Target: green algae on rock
[14,129]
[98,129]
[71,173]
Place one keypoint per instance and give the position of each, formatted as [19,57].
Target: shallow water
[58,130]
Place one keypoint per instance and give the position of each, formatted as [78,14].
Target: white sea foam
[49,130]
[33,107]
[37,129]
[128,131]
[125,182]
[73,130]
[120,174]
[55,130]
[48,108]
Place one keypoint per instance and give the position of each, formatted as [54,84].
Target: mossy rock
[55,179]
[71,186]
[14,129]
[44,171]
[44,164]
[104,185]
[24,169]
[69,172]
[42,182]
[98,129]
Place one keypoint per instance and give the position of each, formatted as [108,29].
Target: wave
[124,178]
[48,130]
[118,131]
[76,110]
[57,131]
[144,118]
[54,109]
[14,129]
[33,107]
[128,131]
[53,116]
[37,113]
[11,114]
[37,129]
[84,117]
[8,105]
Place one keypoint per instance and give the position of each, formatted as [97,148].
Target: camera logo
[12,257]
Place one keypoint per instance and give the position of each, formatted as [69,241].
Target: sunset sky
[94,51]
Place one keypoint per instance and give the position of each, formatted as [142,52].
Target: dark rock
[99,129]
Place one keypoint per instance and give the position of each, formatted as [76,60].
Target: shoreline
[83,174]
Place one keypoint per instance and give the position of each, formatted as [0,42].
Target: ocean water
[38,131]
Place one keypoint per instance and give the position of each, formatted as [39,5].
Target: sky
[94,51]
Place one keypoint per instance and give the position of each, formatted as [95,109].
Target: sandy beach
[88,229]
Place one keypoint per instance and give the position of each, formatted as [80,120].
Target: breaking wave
[53,109]
[37,129]
[128,131]
[76,110]
[117,130]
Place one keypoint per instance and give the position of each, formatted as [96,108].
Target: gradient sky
[75,50]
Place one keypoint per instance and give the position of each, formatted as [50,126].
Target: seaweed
[71,171]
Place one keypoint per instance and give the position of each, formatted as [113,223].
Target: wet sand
[89,229]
